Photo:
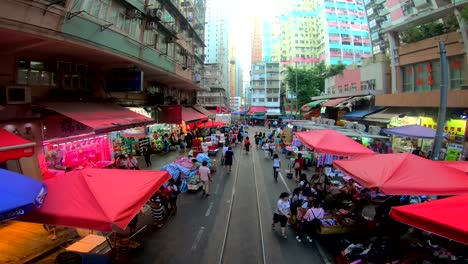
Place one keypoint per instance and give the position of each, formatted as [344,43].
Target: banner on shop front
[453,152]
[453,127]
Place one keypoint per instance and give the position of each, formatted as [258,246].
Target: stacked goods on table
[185,171]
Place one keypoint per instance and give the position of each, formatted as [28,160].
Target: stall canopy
[445,217]
[13,147]
[329,141]
[189,115]
[384,116]
[335,102]
[211,124]
[257,109]
[405,174]
[101,117]
[459,165]
[19,194]
[312,104]
[412,131]
[97,199]
[360,114]
[203,110]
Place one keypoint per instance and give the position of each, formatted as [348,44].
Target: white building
[217,41]
[265,86]
[236,102]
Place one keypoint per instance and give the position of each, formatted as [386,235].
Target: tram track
[235,198]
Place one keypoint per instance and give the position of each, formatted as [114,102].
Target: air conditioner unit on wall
[134,13]
[18,95]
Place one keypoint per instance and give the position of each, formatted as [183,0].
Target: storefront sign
[124,81]
[62,126]
[453,127]
[453,152]
[403,121]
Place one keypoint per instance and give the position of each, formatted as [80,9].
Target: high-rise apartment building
[257,40]
[265,86]
[217,47]
[311,31]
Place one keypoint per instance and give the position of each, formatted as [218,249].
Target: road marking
[198,238]
[284,182]
[216,189]
[209,209]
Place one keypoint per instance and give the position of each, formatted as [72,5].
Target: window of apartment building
[275,100]
[270,100]
[35,73]
[408,78]
[364,86]
[346,88]
[261,100]
[353,87]
[340,89]
[456,72]
[96,8]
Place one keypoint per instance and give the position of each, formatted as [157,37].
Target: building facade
[312,31]
[236,103]
[265,86]
[257,40]
[216,97]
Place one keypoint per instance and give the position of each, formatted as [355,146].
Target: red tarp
[446,217]
[329,141]
[335,102]
[96,199]
[405,174]
[202,110]
[101,117]
[13,147]
[257,109]
[460,165]
[211,124]
[190,115]
[170,114]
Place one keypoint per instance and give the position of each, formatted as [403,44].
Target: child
[157,212]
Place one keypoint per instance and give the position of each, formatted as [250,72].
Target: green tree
[310,81]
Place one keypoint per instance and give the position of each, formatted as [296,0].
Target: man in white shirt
[205,178]
[225,148]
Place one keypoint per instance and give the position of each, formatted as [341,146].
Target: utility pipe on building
[443,102]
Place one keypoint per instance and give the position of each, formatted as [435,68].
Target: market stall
[13,147]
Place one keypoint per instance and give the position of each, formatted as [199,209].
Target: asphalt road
[233,225]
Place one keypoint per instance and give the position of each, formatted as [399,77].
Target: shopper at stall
[147,156]
[121,162]
[276,166]
[349,190]
[282,213]
[205,178]
[173,193]
[311,222]
[132,162]
[157,212]
[298,166]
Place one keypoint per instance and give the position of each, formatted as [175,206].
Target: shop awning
[335,102]
[13,147]
[259,117]
[412,131]
[101,117]
[312,104]
[405,174]
[257,109]
[383,116]
[329,141]
[19,194]
[189,115]
[360,114]
[211,124]
[203,110]
[445,217]
[97,199]
[459,165]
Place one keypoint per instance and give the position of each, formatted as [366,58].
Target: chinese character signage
[453,127]
[62,126]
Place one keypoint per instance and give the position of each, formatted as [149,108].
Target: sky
[241,13]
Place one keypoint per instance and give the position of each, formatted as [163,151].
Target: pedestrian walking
[147,156]
[205,178]
[157,211]
[247,145]
[276,166]
[282,213]
[225,148]
[228,158]
[298,166]
[257,140]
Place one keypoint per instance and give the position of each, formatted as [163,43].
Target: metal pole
[443,102]
[297,95]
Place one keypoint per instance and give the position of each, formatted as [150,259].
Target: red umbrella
[445,217]
[97,199]
[405,174]
[329,141]
[460,165]
[211,124]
